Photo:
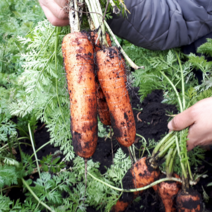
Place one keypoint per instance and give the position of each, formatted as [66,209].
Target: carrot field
[80,110]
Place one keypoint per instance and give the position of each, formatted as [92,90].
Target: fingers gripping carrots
[112,78]
[79,66]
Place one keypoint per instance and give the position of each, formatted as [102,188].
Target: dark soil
[151,122]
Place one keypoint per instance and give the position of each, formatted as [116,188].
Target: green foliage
[102,131]
[42,91]
[9,175]
[50,164]
[205,48]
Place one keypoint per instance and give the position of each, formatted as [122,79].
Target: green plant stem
[35,196]
[158,146]
[22,138]
[169,143]
[33,147]
[93,15]
[175,90]
[136,189]
[182,165]
[38,150]
[182,83]
[10,188]
[99,10]
[170,168]
[144,146]
[170,160]
[186,156]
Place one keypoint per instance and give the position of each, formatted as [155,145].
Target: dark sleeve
[163,24]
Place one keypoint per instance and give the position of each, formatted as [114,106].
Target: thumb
[182,120]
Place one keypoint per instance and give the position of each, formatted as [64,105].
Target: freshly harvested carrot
[141,174]
[112,78]
[168,191]
[79,66]
[189,201]
[102,107]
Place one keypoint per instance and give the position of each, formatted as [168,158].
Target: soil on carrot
[151,122]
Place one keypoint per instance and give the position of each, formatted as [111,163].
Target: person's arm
[199,118]
[55,11]
[163,24]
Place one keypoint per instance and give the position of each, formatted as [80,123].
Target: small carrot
[79,66]
[141,174]
[189,201]
[112,78]
[167,191]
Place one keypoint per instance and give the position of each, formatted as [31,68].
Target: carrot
[102,107]
[141,174]
[79,66]
[167,191]
[112,78]
[189,201]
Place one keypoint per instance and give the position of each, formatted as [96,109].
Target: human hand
[55,11]
[199,118]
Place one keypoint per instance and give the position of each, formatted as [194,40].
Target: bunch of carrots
[96,78]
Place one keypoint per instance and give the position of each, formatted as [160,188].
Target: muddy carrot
[168,191]
[189,201]
[112,78]
[79,66]
[141,174]
[102,107]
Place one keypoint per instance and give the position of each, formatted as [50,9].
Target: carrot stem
[85,160]
[170,169]
[33,147]
[92,14]
[166,148]
[137,189]
[182,82]
[182,165]
[158,146]
[74,17]
[168,159]
[101,34]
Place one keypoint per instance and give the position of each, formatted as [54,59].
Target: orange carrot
[189,201]
[102,107]
[141,174]
[167,191]
[79,66]
[112,78]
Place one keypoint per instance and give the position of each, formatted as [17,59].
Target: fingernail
[170,125]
